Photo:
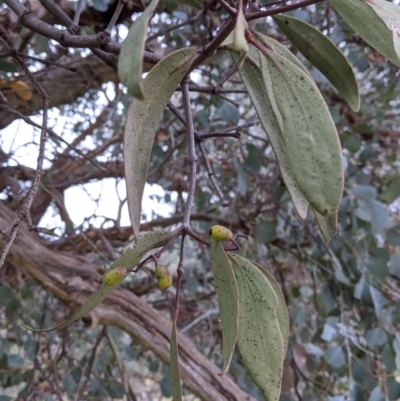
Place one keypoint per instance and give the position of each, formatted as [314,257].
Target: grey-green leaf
[228,300]
[130,61]
[94,299]
[323,54]
[363,20]
[280,49]
[311,141]
[253,81]
[389,13]
[129,259]
[260,339]
[282,312]
[327,225]
[174,365]
[141,123]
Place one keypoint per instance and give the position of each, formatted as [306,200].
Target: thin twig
[231,10]
[279,10]
[179,271]
[210,173]
[89,366]
[192,157]
[114,18]
[79,8]
[190,21]
[211,176]
[51,134]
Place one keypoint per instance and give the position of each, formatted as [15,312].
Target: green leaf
[282,312]
[281,50]
[254,83]
[327,225]
[130,60]
[7,67]
[377,395]
[228,300]
[394,266]
[192,3]
[129,259]
[334,356]
[265,231]
[363,20]
[142,119]
[94,299]
[389,13]
[376,337]
[174,365]
[260,337]
[323,54]
[311,141]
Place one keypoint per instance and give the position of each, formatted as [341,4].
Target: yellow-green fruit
[220,233]
[164,277]
[115,276]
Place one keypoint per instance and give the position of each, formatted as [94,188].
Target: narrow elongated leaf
[389,13]
[311,141]
[130,60]
[323,54]
[129,259]
[255,86]
[174,365]
[327,225]
[141,123]
[94,299]
[280,49]
[260,339]
[282,312]
[363,19]
[228,300]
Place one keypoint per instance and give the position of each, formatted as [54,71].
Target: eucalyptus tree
[271,128]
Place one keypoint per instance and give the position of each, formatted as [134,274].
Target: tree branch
[72,283]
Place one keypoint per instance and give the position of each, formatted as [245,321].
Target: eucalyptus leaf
[311,141]
[363,20]
[282,312]
[260,337]
[389,13]
[280,49]
[228,300]
[94,299]
[323,54]
[174,365]
[130,61]
[253,81]
[141,123]
[129,259]
[327,225]
[334,356]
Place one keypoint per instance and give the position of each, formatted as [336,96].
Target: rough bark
[71,279]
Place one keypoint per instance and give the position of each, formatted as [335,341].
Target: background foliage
[343,298]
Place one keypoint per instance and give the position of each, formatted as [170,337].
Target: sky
[80,200]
